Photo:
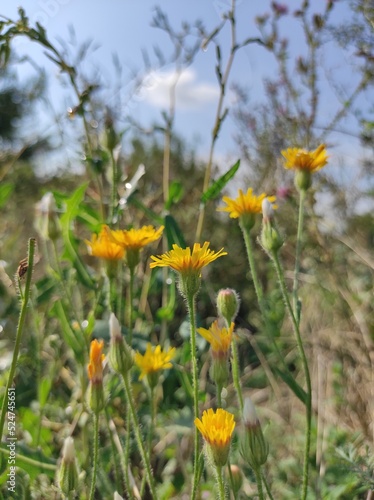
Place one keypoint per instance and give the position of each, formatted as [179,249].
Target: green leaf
[72,211]
[133,200]
[6,189]
[75,342]
[292,384]
[216,188]
[34,462]
[173,232]
[175,194]
[44,388]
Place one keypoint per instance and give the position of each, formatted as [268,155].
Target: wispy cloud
[191,94]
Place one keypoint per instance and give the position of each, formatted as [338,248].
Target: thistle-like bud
[236,478]
[120,356]
[271,240]
[68,473]
[228,302]
[46,220]
[254,448]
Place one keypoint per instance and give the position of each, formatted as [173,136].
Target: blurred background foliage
[336,271]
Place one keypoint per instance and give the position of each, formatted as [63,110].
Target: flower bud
[271,240]
[267,211]
[219,371]
[68,473]
[95,374]
[236,478]
[120,356]
[254,448]
[228,302]
[46,220]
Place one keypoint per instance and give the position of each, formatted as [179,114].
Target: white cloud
[190,93]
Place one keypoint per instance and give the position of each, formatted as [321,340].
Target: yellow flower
[153,360]
[219,338]
[300,159]
[136,239]
[244,204]
[95,366]
[104,246]
[184,261]
[216,429]
[188,264]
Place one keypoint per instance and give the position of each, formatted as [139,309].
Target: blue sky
[123,27]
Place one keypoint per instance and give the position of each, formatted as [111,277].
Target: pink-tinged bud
[47,222]
[271,240]
[120,355]
[114,328]
[250,418]
[237,478]
[68,473]
[267,210]
[254,448]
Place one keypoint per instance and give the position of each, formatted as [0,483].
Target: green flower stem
[21,323]
[267,487]
[22,459]
[138,436]
[128,418]
[95,455]
[252,266]
[152,404]
[308,402]
[235,372]
[114,193]
[112,273]
[231,480]
[220,483]
[130,306]
[191,314]
[130,485]
[235,369]
[257,472]
[219,395]
[298,253]
[117,469]
[259,291]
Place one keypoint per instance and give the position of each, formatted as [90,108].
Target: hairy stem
[21,323]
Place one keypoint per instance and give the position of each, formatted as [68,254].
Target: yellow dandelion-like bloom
[219,338]
[135,239]
[300,159]
[245,204]
[104,246]
[184,261]
[95,366]
[217,428]
[153,360]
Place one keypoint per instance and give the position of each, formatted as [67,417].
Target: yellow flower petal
[153,360]
[184,260]
[245,204]
[104,247]
[136,239]
[216,428]
[219,338]
[300,159]
[95,366]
